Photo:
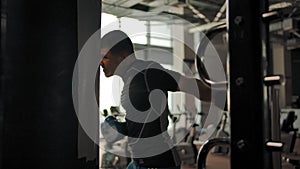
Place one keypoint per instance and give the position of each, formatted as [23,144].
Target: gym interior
[55,101]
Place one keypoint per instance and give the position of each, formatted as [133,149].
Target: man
[144,97]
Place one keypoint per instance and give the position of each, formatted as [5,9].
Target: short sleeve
[163,79]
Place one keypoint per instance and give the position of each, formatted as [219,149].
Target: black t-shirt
[144,97]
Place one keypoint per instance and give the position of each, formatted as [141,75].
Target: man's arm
[195,87]
[168,80]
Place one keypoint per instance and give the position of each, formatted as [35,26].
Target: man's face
[109,62]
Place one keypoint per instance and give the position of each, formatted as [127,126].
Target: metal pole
[247,91]
[276,127]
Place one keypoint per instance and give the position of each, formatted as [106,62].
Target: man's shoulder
[142,65]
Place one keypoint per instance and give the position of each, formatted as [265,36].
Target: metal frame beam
[249,120]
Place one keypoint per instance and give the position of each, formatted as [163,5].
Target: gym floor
[213,162]
[223,162]
[217,161]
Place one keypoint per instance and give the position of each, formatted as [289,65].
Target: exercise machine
[183,138]
[288,137]
[113,130]
[251,86]
[222,133]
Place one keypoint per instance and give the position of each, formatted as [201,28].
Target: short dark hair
[117,41]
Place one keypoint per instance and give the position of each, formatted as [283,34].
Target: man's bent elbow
[206,95]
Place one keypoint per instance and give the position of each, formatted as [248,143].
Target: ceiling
[194,11]
[202,13]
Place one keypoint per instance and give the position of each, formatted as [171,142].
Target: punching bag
[39,48]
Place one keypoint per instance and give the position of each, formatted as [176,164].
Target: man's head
[115,47]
